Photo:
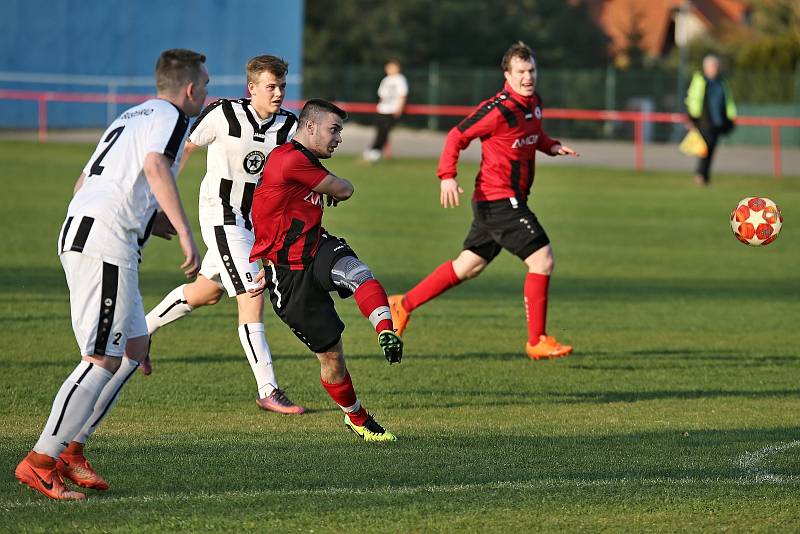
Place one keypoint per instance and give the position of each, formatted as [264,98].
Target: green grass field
[680,409]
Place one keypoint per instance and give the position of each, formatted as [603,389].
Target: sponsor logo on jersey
[254,162]
[132,114]
[525,141]
[314,198]
[538,112]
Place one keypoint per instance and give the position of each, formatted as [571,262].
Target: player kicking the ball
[509,126]
[304,263]
[239,134]
[117,203]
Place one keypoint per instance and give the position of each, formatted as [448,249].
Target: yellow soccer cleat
[371,431]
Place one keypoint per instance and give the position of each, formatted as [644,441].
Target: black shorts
[302,298]
[498,225]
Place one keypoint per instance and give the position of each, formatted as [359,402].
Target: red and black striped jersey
[510,129]
[287,212]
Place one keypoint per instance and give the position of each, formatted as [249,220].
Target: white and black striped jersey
[239,142]
[111,215]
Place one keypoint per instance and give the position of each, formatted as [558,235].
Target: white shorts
[105,304]
[227,261]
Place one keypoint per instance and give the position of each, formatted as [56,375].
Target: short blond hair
[266,63]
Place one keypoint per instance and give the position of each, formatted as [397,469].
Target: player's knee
[207,298]
[213,298]
[468,270]
[475,270]
[202,292]
[541,264]
[349,272]
[109,363]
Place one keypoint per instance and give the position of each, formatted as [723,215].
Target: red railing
[638,118]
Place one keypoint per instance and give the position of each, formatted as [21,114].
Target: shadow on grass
[605,397]
[315,459]
[634,288]
[442,398]
[50,279]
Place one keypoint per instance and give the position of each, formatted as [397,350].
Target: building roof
[654,20]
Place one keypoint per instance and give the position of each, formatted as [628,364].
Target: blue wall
[125,37]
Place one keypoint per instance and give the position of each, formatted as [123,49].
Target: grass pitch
[679,410]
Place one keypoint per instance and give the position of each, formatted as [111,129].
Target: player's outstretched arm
[449,192]
[563,150]
[162,183]
[337,189]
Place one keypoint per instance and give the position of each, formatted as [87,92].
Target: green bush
[775,54]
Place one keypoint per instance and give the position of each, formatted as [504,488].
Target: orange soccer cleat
[78,469]
[547,348]
[47,481]
[400,316]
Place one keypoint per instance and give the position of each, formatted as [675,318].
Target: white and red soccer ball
[756,221]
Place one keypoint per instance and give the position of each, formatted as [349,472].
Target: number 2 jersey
[112,214]
[509,126]
[239,142]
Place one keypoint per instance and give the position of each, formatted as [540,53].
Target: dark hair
[316,106]
[176,68]
[272,64]
[520,50]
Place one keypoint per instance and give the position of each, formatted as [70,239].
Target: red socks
[344,395]
[374,305]
[436,283]
[535,294]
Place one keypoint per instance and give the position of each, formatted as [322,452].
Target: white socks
[107,399]
[251,335]
[172,308]
[255,346]
[72,406]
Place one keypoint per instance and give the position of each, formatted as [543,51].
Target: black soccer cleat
[392,346]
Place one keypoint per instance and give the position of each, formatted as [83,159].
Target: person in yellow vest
[711,108]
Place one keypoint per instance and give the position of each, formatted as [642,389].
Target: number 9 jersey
[111,215]
[239,142]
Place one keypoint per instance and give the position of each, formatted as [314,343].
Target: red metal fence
[638,118]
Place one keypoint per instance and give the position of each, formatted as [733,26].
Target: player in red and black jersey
[303,263]
[509,126]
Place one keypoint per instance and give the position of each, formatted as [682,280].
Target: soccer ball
[756,221]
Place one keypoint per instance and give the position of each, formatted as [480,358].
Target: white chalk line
[750,462]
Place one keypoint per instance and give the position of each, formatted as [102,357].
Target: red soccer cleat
[46,481]
[78,469]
